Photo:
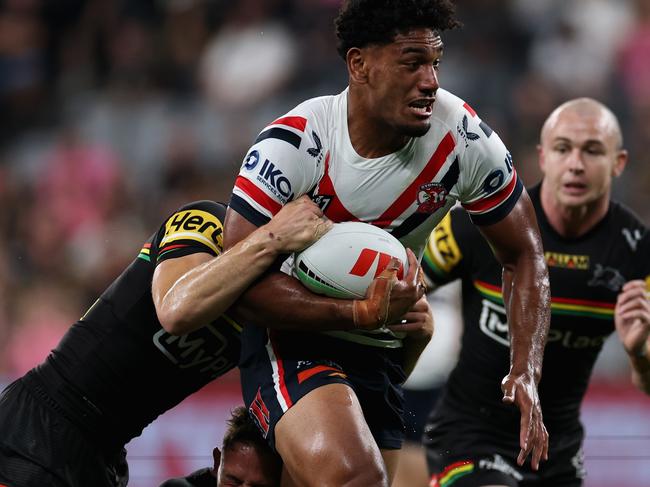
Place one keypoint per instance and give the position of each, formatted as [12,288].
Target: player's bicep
[514,235]
[189,237]
[236,228]
[169,271]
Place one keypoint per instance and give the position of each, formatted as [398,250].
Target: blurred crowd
[113,113]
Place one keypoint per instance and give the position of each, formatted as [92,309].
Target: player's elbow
[174,321]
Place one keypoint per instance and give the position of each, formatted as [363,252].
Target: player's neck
[369,136]
[573,221]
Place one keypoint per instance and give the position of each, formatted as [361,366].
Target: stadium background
[113,113]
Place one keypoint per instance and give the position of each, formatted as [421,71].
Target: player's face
[403,80]
[579,156]
[244,466]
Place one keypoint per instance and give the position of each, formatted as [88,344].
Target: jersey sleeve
[282,164]
[488,185]
[444,257]
[196,227]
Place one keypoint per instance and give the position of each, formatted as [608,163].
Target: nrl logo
[431,196]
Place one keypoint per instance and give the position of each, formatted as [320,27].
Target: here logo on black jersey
[197,225]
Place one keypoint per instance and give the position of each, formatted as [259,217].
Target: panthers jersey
[586,275]
[308,151]
[117,369]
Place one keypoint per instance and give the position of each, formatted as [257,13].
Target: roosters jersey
[308,151]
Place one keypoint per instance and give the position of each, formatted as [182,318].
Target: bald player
[598,253]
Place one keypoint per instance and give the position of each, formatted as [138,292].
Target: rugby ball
[344,261]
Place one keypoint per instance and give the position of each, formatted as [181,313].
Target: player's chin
[576,201]
[416,129]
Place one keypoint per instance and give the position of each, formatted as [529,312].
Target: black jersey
[586,275]
[117,369]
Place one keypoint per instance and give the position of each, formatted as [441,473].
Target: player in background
[395,151]
[598,254]
[245,459]
[156,335]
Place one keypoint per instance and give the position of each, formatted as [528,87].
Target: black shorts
[40,447]
[464,452]
[277,371]
[418,404]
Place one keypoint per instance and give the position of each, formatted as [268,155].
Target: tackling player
[598,256]
[156,335]
[396,151]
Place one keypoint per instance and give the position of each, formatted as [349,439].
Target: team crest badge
[431,196]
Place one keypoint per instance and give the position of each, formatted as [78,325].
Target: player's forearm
[527,298]
[413,348]
[279,301]
[204,292]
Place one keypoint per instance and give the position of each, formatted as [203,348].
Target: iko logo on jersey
[270,176]
[201,349]
[431,197]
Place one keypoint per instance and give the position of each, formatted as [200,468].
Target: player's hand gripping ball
[344,262]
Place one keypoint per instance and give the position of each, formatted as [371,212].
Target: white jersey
[308,151]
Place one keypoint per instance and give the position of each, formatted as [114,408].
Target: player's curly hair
[365,22]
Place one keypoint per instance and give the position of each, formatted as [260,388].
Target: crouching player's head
[245,458]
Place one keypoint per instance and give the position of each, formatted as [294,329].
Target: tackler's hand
[297,225]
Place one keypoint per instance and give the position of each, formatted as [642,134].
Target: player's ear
[216,455]
[357,65]
[620,163]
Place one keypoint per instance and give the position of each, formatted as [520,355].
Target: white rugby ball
[344,261]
